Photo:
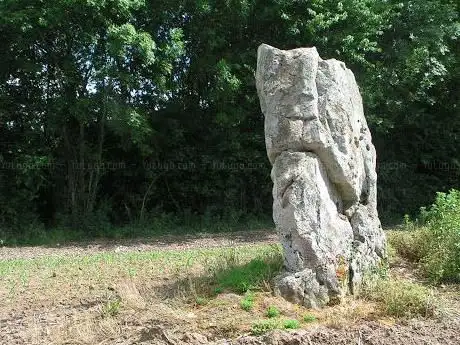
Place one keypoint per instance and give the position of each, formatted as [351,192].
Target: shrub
[272,311]
[436,244]
[411,244]
[247,303]
[263,326]
[442,259]
[291,324]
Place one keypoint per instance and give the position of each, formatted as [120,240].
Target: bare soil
[167,242]
[68,307]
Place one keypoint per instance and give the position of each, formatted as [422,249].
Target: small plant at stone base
[201,300]
[111,308]
[263,326]
[308,318]
[291,324]
[272,311]
[248,301]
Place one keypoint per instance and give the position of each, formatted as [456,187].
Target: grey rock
[325,195]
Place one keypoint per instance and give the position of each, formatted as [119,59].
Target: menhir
[324,177]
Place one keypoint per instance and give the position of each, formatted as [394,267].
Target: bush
[291,324]
[263,326]
[272,311]
[247,303]
[442,259]
[411,244]
[435,244]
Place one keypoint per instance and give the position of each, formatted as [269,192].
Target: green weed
[247,303]
[291,324]
[272,311]
[201,300]
[308,318]
[263,326]
[436,244]
[111,308]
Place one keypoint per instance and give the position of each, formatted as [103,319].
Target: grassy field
[122,297]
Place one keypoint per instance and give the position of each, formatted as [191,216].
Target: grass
[401,298]
[162,285]
[111,266]
[201,300]
[254,275]
[263,326]
[436,256]
[111,308]
[409,244]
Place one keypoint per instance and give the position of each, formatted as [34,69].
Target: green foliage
[400,298]
[201,300]
[256,275]
[263,326]
[436,244]
[126,108]
[441,261]
[247,303]
[309,318]
[111,308]
[291,324]
[272,311]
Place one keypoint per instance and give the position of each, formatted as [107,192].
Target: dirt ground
[170,242]
[69,313]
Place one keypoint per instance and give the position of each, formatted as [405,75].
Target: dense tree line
[124,110]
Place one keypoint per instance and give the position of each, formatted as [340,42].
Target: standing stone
[320,147]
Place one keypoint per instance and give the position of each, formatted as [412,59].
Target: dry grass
[402,298]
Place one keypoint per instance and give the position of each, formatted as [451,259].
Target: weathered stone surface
[323,172]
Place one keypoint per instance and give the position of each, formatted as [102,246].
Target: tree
[79,72]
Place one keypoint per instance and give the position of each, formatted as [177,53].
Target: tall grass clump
[400,298]
[435,242]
